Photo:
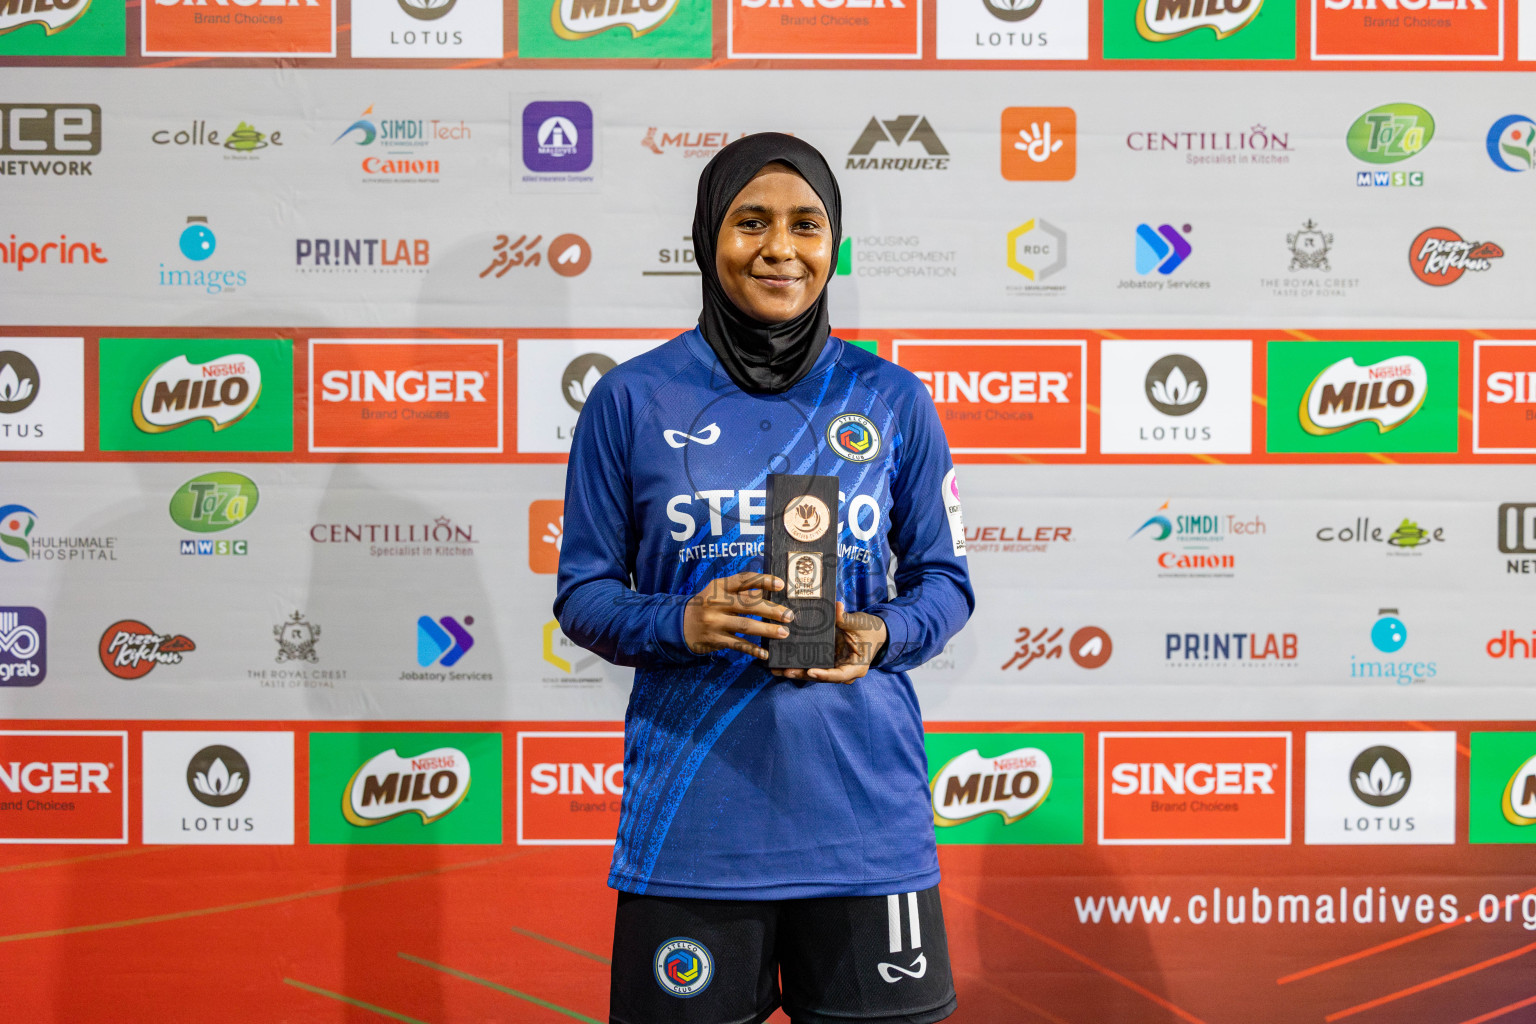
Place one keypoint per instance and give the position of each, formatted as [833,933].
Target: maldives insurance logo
[1366,396]
[404,788]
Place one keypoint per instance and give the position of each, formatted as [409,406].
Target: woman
[769,825]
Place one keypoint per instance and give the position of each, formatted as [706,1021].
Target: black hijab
[761,358]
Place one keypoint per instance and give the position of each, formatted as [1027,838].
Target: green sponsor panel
[1502,788]
[572,29]
[405,788]
[1386,411]
[992,788]
[1268,35]
[86,28]
[204,395]
[872,347]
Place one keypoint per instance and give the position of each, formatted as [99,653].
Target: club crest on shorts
[854,437]
[684,968]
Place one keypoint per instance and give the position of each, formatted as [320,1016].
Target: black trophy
[801,549]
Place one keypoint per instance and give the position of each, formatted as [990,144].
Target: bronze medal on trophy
[801,549]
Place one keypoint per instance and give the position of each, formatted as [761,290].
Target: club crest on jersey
[684,968]
[854,437]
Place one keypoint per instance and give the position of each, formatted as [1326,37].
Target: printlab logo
[1164,249]
[1039,143]
[908,133]
[1389,635]
[34,132]
[1440,256]
[1089,647]
[217,776]
[197,244]
[23,646]
[405,788]
[1221,650]
[130,650]
[442,641]
[569,255]
[1512,143]
[546,529]
[296,640]
[557,138]
[1389,134]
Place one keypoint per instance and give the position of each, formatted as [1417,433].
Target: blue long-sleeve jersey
[737,784]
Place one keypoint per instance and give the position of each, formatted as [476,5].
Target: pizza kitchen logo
[1439,256]
[130,650]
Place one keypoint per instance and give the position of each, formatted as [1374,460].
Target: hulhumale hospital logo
[1512,143]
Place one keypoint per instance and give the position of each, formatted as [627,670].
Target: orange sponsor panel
[546,524]
[1003,396]
[1039,143]
[63,787]
[569,785]
[1408,29]
[825,28]
[1194,788]
[405,396]
[1504,417]
[239,28]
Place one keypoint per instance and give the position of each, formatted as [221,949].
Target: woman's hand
[860,636]
[714,615]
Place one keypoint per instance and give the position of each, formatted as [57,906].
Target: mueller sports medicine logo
[687,144]
[1010,785]
[47,139]
[578,19]
[909,133]
[1160,20]
[387,786]
[1387,394]
[23,646]
[130,650]
[177,392]
[1193,789]
[1440,256]
[63,787]
[1408,30]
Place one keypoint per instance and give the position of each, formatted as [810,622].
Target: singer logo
[63,787]
[1003,396]
[569,787]
[1504,406]
[1194,788]
[1407,30]
[844,29]
[244,28]
[405,396]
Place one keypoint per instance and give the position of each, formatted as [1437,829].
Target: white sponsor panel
[1013,29]
[555,376]
[1381,788]
[427,28]
[218,788]
[1157,397]
[42,394]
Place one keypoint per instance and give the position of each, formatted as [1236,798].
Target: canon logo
[995,386]
[55,777]
[576,778]
[1228,778]
[404,386]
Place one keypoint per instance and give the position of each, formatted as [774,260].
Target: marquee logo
[393,788]
[843,29]
[1387,394]
[242,28]
[430,785]
[130,650]
[1439,256]
[909,130]
[1009,788]
[570,786]
[178,392]
[1159,20]
[63,787]
[1010,785]
[1420,30]
[1504,400]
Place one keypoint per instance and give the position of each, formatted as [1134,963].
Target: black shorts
[872,959]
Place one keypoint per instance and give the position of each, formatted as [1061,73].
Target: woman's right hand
[714,615]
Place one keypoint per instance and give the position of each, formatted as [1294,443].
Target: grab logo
[63,787]
[1003,397]
[1194,788]
[1504,405]
[569,785]
[376,395]
[842,29]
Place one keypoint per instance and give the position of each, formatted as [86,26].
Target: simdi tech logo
[383,788]
[183,395]
[42,394]
[1200,29]
[615,28]
[841,29]
[63,787]
[1504,403]
[1411,30]
[569,788]
[1001,788]
[64,28]
[1194,788]
[1012,29]
[238,28]
[1502,791]
[1362,396]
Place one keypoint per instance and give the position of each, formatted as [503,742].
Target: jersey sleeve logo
[950,495]
[854,437]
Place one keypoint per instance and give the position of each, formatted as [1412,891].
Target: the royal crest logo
[1159,20]
[130,650]
[177,392]
[1439,256]
[388,786]
[1309,248]
[854,437]
[296,640]
[1387,394]
[578,19]
[1010,785]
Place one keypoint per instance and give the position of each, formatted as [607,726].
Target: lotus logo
[1380,776]
[177,392]
[388,786]
[1520,795]
[1011,10]
[1176,385]
[19,382]
[578,19]
[1390,133]
[1010,785]
[1160,20]
[426,10]
[581,376]
[218,775]
[1387,394]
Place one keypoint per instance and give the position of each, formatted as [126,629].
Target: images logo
[546,529]
[684,967]
[130,650]
[1439,256]
[1367,396]
[23,647]
[184,28]
[900,131]
[443,641]
[1163,250]
[1160,20]
[1389,635]
[63,787]
[1194,788]
[405,788]
[16,525]
[571,785]
[1504,402]
[1503,788]
[1390,133]
[43,28]
[1453,30]
[197,243]
[1512,143]
[1039,143]
[1381,788]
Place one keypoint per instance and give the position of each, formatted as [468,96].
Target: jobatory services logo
[554,378]
[1381,788]
[399,395]
[242,143]
[1004,397]
[405,788]
[130,650]
[1199,29]
[1502,791]
[598,29]
[1194,788]
[1412,30]
[1163,249]
[179,395]
[63,786]
[20,541]
[426,28]
[1362,396]
[212,503]
[23,646]
[1512,143]
[42,394]
[1175,396]
[60,28]
[841,29]
[568,254]
[1255,649]
[274,28]
[909,135]
[197,243]
[218,788]
[1439,256]
[1039,143]
[1389,635]
[442,641]
[546,529]
[1390,134]
[1012,29]
[570,786]
[1196,541]
[1006,788]
[1089,646]
[1504,398]
[48,140]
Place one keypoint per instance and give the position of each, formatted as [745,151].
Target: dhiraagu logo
[1005,788]
[405,788]
[1503,788]
[1362,396]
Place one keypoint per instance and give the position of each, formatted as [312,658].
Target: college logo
[1408,538]
[1504,402]
[1405,30]
[185,28]
[426,28]
[684,967]
[1003,397]
[1089,647]
[1163,250]
[571,784]
[883,29]
[555,376]
[1389,134]
[241,142]
[909,130]
[42,395]
[1039,143]
[1389,635]
[405,788]
[1194,788]
[23,646]
[442,641]
[380,395]
[63,787]
[854,437]
[1199,29]
[1439,256]
[40,28]
[1512,143]
[1367,396]
[606,28]
[218,788]
[35,131]
[1503,788]
[1381,788]
[997,788]
[130,650]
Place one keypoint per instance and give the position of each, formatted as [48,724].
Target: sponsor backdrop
[1220,305]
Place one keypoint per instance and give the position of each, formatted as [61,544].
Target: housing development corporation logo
[1382,788]
[23,646]
[1439,256]
[908,133]
[1369,396]
[63,787]
[405,788]
[130,650]
[1194,788]
[1423,30]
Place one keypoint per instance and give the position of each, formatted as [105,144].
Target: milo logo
[388,786]
[214,502]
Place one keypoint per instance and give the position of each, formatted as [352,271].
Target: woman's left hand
[860,636]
